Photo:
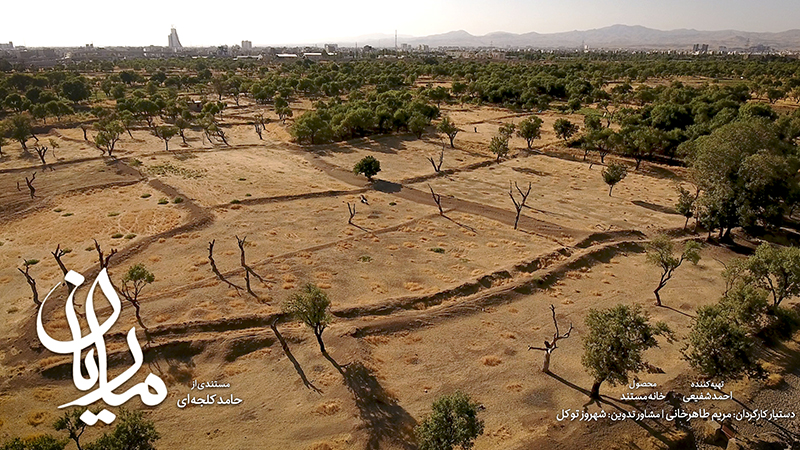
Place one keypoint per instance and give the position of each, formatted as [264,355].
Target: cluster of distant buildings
[49,57]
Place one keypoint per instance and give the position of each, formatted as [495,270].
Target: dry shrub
[514,387]
[375,340]
[319,446]
[491,361]
[412,286]
[37,418]
[774,380]
[328,408]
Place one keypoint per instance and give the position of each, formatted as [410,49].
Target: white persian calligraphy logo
[98,375]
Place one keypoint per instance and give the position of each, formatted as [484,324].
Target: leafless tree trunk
[41,151]
[352,210]
[521,204]
[247,269]
[259,130]
[214,266]
[221,135]
[131,294]
[103,261]
[85,137]
[57,255]
[438,199]
[30,185]
[437,167]
[31,283]
[549,347]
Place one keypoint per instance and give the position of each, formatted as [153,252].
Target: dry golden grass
[37,418]
[491,361]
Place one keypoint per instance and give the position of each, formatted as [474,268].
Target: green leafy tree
[417,124]
[109,132]
[602,141]
[746,175]
[134,281]
[592,122]
[43,442]
[613,174]
[368,166]
[19,128]
[311,127]
[530,129]
[71,422]
[615,344]
[499,146]
[747,305]
[717,345]
[165,133]
[774,269]
[312,307]
[132,432]
[507,130]
[564,129]
[453,423]
[448,128]
[76,89]
[660,253]
[686,204]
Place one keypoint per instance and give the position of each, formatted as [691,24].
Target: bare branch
[247,269]
[32,283]
[518,205]
[437,167]
[214,266]
[352,211]
[30,185]
[103,261]
[549,347]
[438,199]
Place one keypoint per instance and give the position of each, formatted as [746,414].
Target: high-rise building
[247,45]
[174,42]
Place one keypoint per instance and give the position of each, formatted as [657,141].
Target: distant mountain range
[613,37]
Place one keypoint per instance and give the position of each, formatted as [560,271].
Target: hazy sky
[204,22]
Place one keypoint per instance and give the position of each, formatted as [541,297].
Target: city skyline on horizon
[315,22]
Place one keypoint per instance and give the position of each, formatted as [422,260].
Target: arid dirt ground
[424,304]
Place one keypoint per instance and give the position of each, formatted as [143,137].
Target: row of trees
[364,114]
[132,431]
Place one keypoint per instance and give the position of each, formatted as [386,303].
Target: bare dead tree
[41,150]
[30,185]
[103,261]
[214,266]
[53,146]
[58,254]
[352,210]
[437,167]
[549,347]
[260,124]
[221,135]
[521,204]
[83,128]
[247,269]
[31,282]
[438,199]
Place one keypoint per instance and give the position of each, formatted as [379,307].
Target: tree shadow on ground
[655,207]
[656,433]
[383,418]
[294,361]
[387,187]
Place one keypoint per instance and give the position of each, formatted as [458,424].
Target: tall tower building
[174,42]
